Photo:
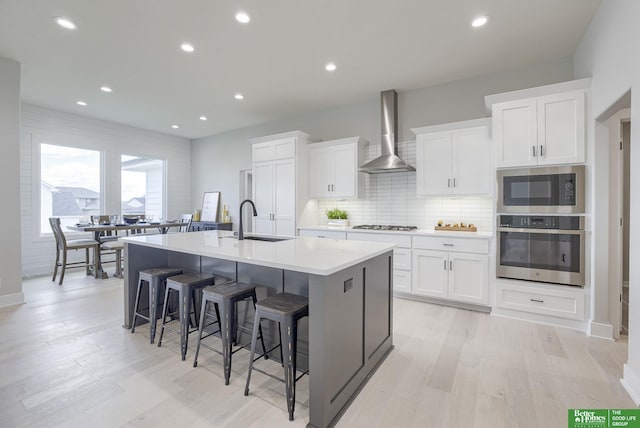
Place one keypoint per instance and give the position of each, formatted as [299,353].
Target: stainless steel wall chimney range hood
[388,161]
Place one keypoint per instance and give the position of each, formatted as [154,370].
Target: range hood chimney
[388,161]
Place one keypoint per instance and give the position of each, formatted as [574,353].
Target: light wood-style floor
[66,361]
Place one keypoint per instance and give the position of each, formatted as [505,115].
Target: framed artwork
[210,202]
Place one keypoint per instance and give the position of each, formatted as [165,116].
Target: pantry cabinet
[454,159]
[546,130]
[333,169]
[279,182]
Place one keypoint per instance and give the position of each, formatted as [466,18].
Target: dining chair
[63,246]
[186,219]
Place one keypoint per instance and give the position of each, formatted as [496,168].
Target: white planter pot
[337,223]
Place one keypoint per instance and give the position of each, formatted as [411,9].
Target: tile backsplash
[391,199]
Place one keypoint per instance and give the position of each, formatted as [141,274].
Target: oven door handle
[546,231]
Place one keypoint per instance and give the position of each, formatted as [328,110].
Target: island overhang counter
[349,285]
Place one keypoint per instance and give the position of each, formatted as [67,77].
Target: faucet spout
[255,213]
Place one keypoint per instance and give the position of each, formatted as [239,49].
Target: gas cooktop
[385,227]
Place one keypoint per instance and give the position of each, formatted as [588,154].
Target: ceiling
[277,60]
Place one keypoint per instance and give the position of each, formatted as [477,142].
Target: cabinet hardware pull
[448,182]
[321,236]
[333,188]
[328,187]
[448,245]
[450,265]
[534,151]
[537,300]
[541,150]
[454,182]
[445,265]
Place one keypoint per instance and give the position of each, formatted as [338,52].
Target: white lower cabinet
[447,275]
[401,256]
[451,268]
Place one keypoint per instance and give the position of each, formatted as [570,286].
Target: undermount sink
[265,238]
[261,238]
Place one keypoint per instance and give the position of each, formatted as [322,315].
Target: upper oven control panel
[541,222]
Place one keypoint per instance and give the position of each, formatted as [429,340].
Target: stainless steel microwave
[548,190]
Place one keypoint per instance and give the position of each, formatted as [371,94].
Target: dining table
[98,229]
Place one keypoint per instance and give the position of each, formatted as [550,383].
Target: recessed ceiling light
[81,103]
[105,89]
[187,47]
[243,17]
[330,67]
[175,126]
[65,23]
[479,21]
[203,117]
[238,97]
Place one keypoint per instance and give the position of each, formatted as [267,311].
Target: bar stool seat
[185,285]
[155,278]
[286,309]
[224,298]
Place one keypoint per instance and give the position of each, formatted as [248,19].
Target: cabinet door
[434,164]
[472,167]
[515,133]
[561,128]
[263,188]
[345,171]
[320,172]
[284,173]
[430,273]
[469,278]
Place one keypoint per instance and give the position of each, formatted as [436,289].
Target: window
[142,183]
[69,184]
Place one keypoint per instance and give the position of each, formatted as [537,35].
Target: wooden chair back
[186,220]
[61,241]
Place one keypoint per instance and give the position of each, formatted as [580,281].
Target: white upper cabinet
[333,169]
[454,159]
[546,130]
[280,191]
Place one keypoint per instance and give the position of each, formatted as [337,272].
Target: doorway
[619,126]
[625,194]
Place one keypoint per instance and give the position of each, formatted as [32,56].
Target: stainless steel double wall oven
[542,244]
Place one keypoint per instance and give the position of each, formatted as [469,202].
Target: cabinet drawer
[333,234]
[402,280]
[564,304]
[402,240]
[442,243]
[402,258]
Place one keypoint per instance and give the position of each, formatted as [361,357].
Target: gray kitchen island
[349,285]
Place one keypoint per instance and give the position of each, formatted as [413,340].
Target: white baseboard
[631,383]
[12,299]
[600,330]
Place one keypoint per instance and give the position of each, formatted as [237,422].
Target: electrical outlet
[348,284]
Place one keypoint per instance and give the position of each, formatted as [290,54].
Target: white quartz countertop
[309,255]
[418,232]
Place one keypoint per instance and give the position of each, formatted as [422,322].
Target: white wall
[10,281]
[216,160]
[608,53]
[113,140]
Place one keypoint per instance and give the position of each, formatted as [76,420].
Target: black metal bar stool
[224,298]
[286,309]
[185,285]
[154,278]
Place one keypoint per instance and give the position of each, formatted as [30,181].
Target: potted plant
[337,218]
